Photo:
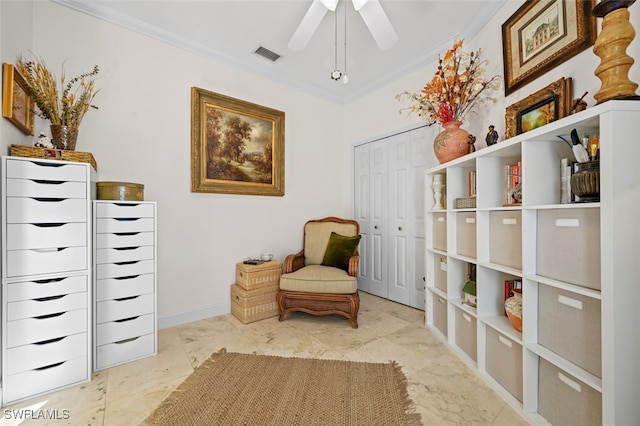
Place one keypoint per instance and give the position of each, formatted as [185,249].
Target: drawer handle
[441,219]
[505,341]
[470,220]
[48,199]
[567,381]
[122,299]
[46,342]
[127,319]
[46,367]
[509,221]
[47,182]
[57,314]
[48,298]
[126,205]
[37,163]
[50,280]
[126,219]
[128,277]
[125,234]
[132,339]
[126,248]
[49,250]
[129,262]
[573,303]
[567,223]
[48,225]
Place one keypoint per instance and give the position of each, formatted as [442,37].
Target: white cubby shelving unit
[576,360]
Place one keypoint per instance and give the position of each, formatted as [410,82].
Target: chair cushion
[319,279]
[316,237]
[339,250]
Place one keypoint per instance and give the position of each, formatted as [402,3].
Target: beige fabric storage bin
[440,231]
[569,325]
[466,333]
[440,272]
[569,246]
[505,238]
[565,400]
[466,233]
[440,313]
[504,362]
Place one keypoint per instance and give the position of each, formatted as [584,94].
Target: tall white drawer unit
[46,275]
[125,320]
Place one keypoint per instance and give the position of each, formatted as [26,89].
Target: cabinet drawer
[505,238]
[125,239]
[124,254]
[126,269]
[127,350]
[117,331]
[124,210]
[46,188]
[116,288]
[440,272]
[46,288]
[466,333]
[117,309]
[440,313]
[34,236]
[46,306]
[569,246]
[504,362]
[32,382]
[466,233]
[30,357]
[569,325]
[41,261]
[52,170]
[33,330]
[124,225]
[565,400]
[440,231]
[46,210]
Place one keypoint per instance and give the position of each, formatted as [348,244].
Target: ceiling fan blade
[308,26]
[379,25]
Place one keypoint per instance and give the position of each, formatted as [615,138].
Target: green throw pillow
[339,249]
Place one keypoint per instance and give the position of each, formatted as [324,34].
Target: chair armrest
[293,262]
[353,265]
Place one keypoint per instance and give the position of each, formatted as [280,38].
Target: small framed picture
[17,103]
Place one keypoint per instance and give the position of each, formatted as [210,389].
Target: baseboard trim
[191,316]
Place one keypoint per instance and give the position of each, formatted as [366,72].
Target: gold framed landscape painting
[17,103]
[543,34]
[237,147]
[543,107]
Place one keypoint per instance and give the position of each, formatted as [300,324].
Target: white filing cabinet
[46,275]
[124,282]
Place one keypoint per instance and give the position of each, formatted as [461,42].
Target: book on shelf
[471,183]
[513,184]
[509,286]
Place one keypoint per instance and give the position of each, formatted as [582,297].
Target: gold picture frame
[543,107]
[541,35]
[237,147]
[17,102]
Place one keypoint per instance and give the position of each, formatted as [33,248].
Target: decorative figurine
[492,136]
[472,140]
[43,141]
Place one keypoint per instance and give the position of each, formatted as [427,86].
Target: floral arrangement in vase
[457,88]
[63,106]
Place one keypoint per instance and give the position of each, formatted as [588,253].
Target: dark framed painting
[543,107]
[543,34]
[17,102]
[237,147]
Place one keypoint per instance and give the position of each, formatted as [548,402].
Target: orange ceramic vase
[452,142]
[513,307]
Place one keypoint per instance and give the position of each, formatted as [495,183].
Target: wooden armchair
[313,282]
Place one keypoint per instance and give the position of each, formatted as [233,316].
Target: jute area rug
[246,389]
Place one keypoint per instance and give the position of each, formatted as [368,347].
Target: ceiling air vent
[266,53]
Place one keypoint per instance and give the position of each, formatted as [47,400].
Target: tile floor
[444,390]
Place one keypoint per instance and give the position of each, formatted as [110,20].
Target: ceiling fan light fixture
[359,4]
[330,4]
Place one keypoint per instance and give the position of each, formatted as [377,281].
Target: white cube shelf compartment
[46,275]
[575,360]
[125,319]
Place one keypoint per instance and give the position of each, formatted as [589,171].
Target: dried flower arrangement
[457,88]
[77,93]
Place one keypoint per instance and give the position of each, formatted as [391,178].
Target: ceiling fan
[370,10]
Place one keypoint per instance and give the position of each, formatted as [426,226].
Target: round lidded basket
[120,191]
